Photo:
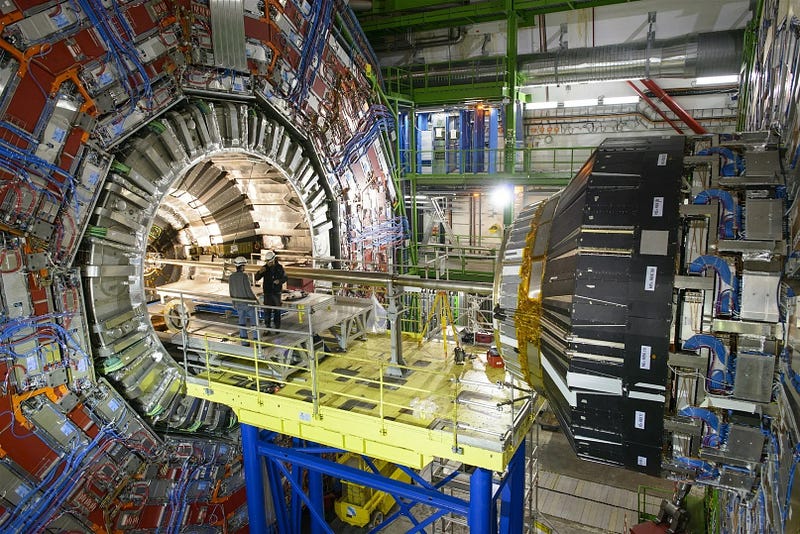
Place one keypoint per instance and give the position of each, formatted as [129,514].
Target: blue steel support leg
[481,507]
[278,497]
[512,496]
[296,509]
[316,498]
[253,479]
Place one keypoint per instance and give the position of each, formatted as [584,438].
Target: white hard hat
[240,260]
[268,255]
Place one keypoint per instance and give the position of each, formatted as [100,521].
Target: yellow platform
[359,402]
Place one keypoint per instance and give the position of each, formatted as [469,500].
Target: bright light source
[611,100]
[580,103]
[717,80]
[541,105]
[502,195]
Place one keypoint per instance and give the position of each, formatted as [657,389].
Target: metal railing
[212,353]
[560,163]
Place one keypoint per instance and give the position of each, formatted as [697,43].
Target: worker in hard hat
[244,300]
[274,277]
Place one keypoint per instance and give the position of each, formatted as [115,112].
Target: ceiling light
[580,103]
[611,100]
[717,80]
[502,195]
[541,105]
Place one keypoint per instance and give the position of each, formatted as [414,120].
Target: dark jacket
[272,274]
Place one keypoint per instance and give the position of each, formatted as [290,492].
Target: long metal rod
[355,277]
[395,487]
[674,106]
[655,107]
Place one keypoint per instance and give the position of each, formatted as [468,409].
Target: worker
[274,277]
[244,300]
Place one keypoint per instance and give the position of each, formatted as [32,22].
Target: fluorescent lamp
[611,100]
[580,103]
[541,105]
[717,80]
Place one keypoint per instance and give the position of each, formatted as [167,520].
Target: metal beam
[254,478]
[655,107]
[371,278]
[675,107]
[454,93]
[483,180]
[372,480]
[392,18]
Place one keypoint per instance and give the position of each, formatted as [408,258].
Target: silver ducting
[708,54]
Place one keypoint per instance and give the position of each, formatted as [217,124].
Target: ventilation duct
[689,56]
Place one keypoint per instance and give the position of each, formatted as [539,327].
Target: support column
[253,479]
[512,23]
[512,497]
[465,141]
[481,506]
[493,140]
[479,140]
[396,334]
[316,497]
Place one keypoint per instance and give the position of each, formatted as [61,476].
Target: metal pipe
[360,5]
[675,107]
[655,107]
[355,277]
[707,54]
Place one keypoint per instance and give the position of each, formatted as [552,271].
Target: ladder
[440,217]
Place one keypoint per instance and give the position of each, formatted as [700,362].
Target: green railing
[558,164]
[456,75]
[649,502]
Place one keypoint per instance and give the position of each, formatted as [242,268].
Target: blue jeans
[247,318]
[273,315]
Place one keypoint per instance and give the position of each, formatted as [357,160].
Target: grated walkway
[590,504]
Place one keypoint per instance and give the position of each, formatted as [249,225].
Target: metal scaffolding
[489,508]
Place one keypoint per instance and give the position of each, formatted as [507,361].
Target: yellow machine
[360,505]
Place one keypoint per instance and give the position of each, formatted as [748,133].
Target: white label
[59,134]
[113,404]
[662,160]
[644,357]
[639,420]
[641,460]
[67,429]
[31,364]
[658,206]
[305,416]
[650,279]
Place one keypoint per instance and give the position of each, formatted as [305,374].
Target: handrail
[388,395]
[532,162]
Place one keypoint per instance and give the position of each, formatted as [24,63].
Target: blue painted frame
[292,463]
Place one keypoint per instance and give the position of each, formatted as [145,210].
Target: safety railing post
[312,363]
[208,363]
